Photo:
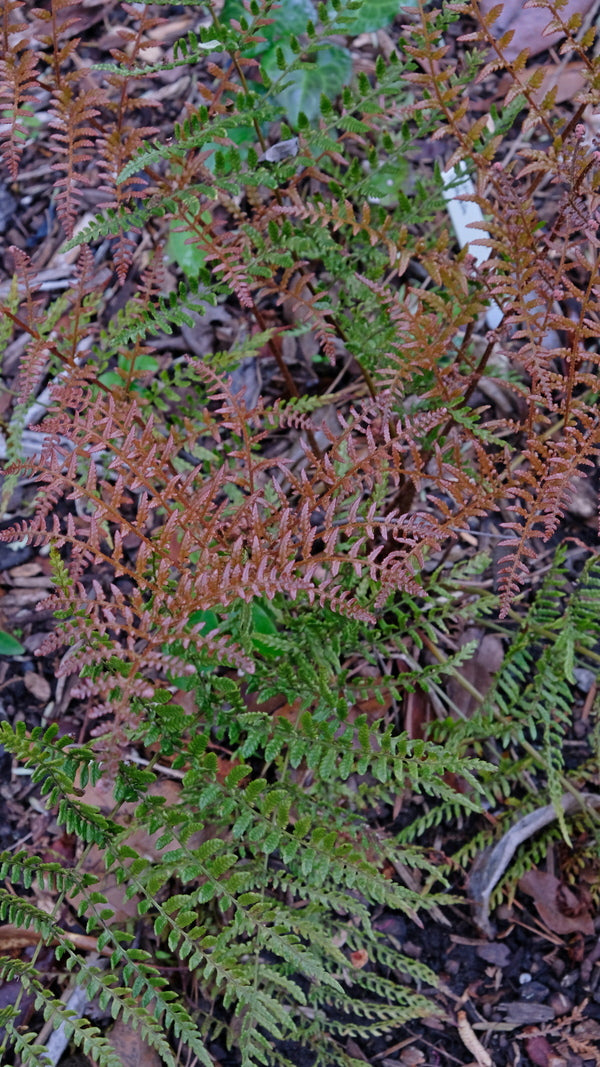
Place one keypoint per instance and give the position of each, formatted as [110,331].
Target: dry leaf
[523,1013]
[541,1053]
[359,958]
[479,670]
[129,1046]
[568,78]
[495,953]
[15,938]
[529,24]
[417,713]
[562,910]
[100,796]
[412,1056]
[37,685]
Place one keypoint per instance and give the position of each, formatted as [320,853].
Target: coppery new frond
[11,25]
[122,137]
[31,307]
[295,289]
[337,214]
[74,142]
[227,256]
[18,83]
[543,493]
[34,365]
[119,145]
[63,18]
[135,39]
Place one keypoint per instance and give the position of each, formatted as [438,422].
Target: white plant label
[467,218]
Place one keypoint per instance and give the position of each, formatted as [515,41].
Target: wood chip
[523,1013]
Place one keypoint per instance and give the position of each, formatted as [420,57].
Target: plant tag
[466,218]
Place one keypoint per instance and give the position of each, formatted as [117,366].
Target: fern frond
[18,85]
[72,142]
[79,1031]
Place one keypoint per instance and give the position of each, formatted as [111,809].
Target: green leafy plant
[9,646]
[521,723]
[249,624]
[296,84]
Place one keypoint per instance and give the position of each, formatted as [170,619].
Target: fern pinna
[201,573]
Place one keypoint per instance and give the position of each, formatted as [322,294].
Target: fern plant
[265,872]
[235,614]
[522,722]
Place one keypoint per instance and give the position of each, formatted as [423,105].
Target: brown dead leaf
[359,959]
[479,670]
[37,685]
[354,1050]
[490,865]
[519,1013]
[495,952]
[18,604]
[583,499]
[561,909]
[589,963]
[567,77]
[412,1056]
[100,796]
[15,938]
[541,1053]
[417,714]
[13,994]
[529,24]
[24,570]
[131,1049]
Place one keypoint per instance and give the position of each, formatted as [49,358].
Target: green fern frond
[83,1034]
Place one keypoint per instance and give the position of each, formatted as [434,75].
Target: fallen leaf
[37,685]
[521,1013]
[129,1046]
[568,79]
[417,713]
[541,1053]
[479,670]
[412,1056]
[15,938]
[538,1050]
[100,795]
[529,24]
[355,1051]
[25,570]
[490,865]
[14,996]
[359,958]
[561,909]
